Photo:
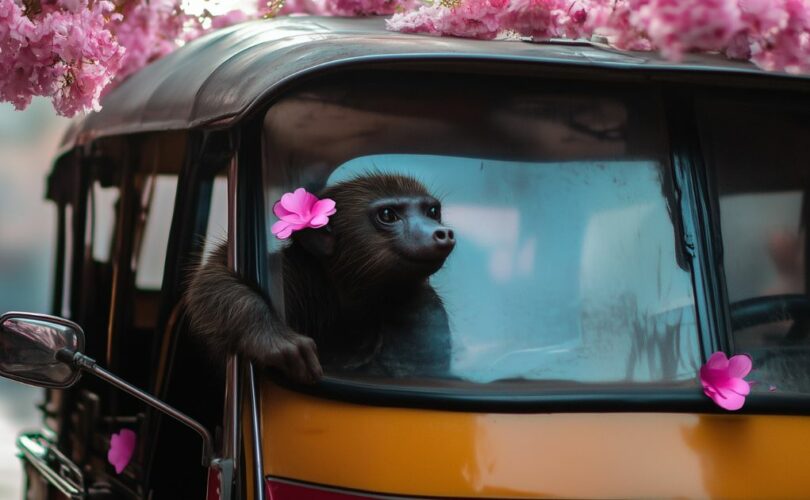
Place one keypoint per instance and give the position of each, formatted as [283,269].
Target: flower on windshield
[722,380]
[122,446]
[300,210]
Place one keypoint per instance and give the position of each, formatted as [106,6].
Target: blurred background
[28,141]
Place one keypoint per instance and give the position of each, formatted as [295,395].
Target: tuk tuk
[618,219]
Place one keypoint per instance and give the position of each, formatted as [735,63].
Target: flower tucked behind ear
[300,210]
[722,380]
[122,446]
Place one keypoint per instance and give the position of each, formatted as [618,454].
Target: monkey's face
[387,232]
[412,229]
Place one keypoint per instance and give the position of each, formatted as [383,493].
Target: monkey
[357,295]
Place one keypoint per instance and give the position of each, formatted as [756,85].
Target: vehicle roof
[219,78]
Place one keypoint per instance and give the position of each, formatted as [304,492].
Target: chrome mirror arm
[88,364]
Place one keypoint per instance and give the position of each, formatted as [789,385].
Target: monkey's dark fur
[358,289]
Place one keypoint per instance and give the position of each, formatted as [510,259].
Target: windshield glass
[566,265]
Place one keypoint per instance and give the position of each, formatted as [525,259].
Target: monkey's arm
[229,316]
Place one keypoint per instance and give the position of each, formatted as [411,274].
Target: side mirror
[30,345]
[46,351]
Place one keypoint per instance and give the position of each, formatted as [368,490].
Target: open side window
[760,156]
[183,373]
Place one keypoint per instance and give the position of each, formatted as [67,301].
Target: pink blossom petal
[288,200]
[231,17]
[739,366]
[709,391]
[729,400]
[717,361]
[325,206]
[280,211]
[281,229]
[712,377]
[296,218]
[736,385]
[321,211]
[722,380]
[299,202]
[318,221]
[122,447]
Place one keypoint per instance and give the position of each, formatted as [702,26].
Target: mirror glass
[28,347]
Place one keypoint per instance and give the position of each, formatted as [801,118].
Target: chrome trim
[256,434]
[233,182]
[48,433]
[230,425]
[40,453]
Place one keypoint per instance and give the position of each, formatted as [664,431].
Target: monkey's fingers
[282,356]
[295,365]
[274,359]
[309,353]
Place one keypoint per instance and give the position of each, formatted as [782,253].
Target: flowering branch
[72,51]
[774,34]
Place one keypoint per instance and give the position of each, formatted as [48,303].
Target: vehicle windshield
[566,266]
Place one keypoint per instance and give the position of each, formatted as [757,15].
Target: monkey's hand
[229,316]
[294,354]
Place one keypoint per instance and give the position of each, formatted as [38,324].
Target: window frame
[693,228]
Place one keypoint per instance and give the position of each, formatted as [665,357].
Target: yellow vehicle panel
[444,453]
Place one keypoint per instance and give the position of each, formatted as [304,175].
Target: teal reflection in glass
[562,271]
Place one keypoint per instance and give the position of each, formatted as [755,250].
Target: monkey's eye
[387,215]
[434,212]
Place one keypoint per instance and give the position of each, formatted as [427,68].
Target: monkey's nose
[444,237]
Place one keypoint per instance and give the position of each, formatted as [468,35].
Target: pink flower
[722,380]
[473,19]
[63,51]
[678,26]
[149,31]
[786,45]
[300,210]
[365,7]
[229,18]
[122,446]
[421,20]
[534,18]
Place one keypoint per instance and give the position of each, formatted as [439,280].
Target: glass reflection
[28,350]
[561,270]
[759,154]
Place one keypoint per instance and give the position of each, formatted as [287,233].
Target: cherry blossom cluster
[774,34]
[60,50]
[151,29]
[336,7]
[72,51]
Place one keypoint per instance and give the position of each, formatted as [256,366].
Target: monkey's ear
[319,242]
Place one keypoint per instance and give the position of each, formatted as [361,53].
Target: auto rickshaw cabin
[619,218]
